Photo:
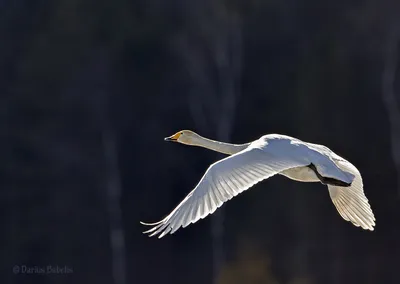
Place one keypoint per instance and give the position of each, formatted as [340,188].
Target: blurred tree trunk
[303,201]
[100,66]
[229,74]
[93,85]
[391,103]
[214,65]
[117,237]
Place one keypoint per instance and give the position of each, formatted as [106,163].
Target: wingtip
[154,231]
[147,232]
[150,224]
[370,227]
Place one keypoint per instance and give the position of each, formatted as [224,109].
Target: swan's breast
[304,174]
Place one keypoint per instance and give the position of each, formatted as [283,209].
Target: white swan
[253,162]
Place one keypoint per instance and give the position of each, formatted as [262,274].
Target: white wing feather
[224,180]
[351,202]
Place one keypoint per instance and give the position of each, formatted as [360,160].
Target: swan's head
[184,136]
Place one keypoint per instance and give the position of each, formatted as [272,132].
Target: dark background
[89,89]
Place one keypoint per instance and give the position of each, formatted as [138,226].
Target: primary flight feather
[253,162]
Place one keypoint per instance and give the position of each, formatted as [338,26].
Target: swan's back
[318,155]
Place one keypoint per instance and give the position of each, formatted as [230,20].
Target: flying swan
[253,162]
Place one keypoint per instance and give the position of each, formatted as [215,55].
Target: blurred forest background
[89,89]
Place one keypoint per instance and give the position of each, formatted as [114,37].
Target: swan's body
[253,162]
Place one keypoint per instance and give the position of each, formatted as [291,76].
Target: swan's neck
[221,147]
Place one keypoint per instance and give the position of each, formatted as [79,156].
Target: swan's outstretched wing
[224,180]
[351,202]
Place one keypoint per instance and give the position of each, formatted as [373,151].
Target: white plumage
[253,162]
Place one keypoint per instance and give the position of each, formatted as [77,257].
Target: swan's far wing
[222,181]
[351,202]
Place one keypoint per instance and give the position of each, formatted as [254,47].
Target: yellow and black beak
[170,139]
[173,138]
